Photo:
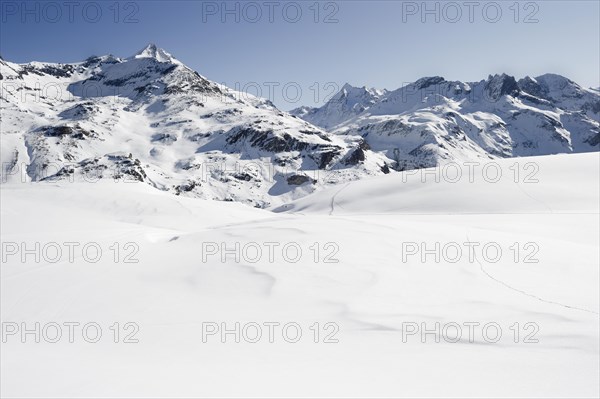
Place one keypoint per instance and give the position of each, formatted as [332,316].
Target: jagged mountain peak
[349,101]
[348,89]
[501,78]
[429,81]
[500,85]
[352,96]
[347,86]
[155,52]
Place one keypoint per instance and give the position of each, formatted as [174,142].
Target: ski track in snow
[334,196]
[505,284]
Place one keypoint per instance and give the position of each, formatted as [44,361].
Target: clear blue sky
[382,44]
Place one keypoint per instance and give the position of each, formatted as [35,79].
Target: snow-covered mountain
[347,103]
[151,118]
[433,121]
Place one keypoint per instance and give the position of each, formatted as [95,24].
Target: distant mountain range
[150,118]
[433,120]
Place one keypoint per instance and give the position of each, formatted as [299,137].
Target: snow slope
[540,185]
[374,292]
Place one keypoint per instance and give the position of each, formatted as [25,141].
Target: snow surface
[369,293]
[545,184]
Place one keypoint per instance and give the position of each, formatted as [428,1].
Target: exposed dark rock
[594,140]
[121,81]
[199,136]
[126,166]
[95,61]
[326,157]
[528,85]
[63,71]
[420,151]
[243,176]
[266,140]
[61,131]
[500,85]
[186,188]
[430,81]
[358,155]
[320,134]
[592,106]
[79,111]
[164,138]
[550,122]
[297,180]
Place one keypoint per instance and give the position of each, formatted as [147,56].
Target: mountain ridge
[433,120]
[150,118]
